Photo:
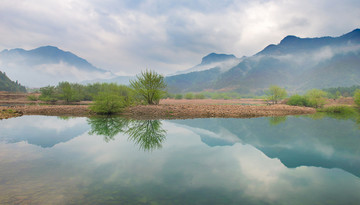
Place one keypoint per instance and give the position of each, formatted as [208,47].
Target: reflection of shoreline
[147,134]
[313,140]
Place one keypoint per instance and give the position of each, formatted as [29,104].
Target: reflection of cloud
[185,169]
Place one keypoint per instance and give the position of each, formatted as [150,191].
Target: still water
[283,160]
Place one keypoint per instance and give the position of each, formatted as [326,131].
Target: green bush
[108,103]
[316,98]
[341,109]
[189,96]
[357,97]
[298,100]
[199,96]
[32,97]
[178,96]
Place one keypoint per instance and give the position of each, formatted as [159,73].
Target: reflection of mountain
[43,131]
[298,141]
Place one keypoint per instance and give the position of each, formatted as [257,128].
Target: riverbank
[6,113]
[171,111]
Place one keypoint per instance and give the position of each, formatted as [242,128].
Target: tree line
[147,88]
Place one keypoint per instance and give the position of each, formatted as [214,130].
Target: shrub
[316,98]
[199,96]
[357,97]
[32,97]
[341,109]
[178,96]
[298,100]
[108,103]
[189,96]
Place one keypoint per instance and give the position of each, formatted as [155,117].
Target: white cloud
[129,36]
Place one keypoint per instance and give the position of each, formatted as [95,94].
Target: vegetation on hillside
[341,91]
[8,85]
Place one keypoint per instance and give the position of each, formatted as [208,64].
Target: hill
[48,65]
[298,64]
[8,85]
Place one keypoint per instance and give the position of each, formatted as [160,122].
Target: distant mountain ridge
[298,64]
[48,65]
[213,60]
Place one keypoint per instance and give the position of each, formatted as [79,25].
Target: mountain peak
[214,57]
[289,39]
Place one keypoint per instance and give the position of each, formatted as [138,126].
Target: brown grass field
[167,108]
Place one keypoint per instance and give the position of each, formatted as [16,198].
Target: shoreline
[166,111]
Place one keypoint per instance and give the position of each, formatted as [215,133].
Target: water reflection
[240,162]
[147,134]
[107,126]
[277,120]
[320,140]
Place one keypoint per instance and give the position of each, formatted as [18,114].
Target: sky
[128,36]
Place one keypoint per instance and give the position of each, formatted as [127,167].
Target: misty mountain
[8,85]
[121,80]
[298,64]
[47,65]
[213,60]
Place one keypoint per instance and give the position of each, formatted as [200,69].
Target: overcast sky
[127,36]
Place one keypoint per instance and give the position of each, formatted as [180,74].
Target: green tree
[316,98]
[149,87]
[275,93]
[357,97]
[48,93]
[66,92]
[189,96]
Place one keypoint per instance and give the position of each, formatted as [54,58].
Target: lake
[271,160]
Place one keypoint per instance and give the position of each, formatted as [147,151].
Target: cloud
[129,36]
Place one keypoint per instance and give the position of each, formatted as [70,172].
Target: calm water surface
[283,160]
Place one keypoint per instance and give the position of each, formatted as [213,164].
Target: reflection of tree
[65,118]
[277,120]
[107,126]
[354,116]
[148,134]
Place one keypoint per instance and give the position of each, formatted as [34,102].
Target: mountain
[121,80]
[8,85]
[48,65]
[213,60]
[298,64]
